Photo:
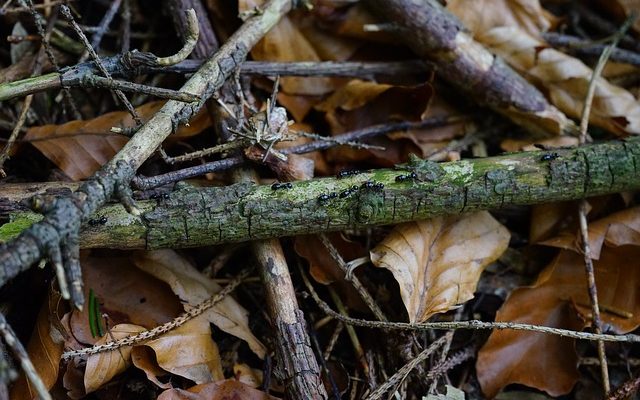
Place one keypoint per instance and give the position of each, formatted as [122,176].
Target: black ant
[549,157]
[346,173]
[98,221]
[408,177]
[372,185]
[348,192]
[278,186]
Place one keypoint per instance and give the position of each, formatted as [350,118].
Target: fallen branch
[192,217]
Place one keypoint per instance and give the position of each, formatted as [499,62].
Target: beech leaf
[559,298]
[438,262]
[79,148]
[189,351]
[192,287]
[45,348]
[481,15]
[103,366]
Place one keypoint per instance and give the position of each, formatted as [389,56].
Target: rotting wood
[192,217]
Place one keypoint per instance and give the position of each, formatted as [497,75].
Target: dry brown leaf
[559,298]
[360,104]
[618,229]
[322,267]
[566,79]
[125,295]
[429,140]
[549,362]
[192,287]
[80,148]
[189,351]
[480,15]
[285,42]
[438,262]
[225,390]
[45,348]
[143,358]
[102,367]
[514,35]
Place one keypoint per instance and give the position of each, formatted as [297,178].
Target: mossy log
[192,216]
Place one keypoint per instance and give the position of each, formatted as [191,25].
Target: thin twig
[190,41]
[14,133]
[125,39]
[588,48]
[115,66]
[21,9]
[45,35]
[582,213]
[108,83]
[103,26]
[353,336]
[162,329]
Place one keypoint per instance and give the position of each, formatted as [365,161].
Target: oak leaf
[438,262]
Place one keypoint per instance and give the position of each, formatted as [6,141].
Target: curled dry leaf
[438,262]
[192,287]
[618,229]
[102,367]
[144,359]
[44,348]
[225,390]
[566,79]
[188,351]
[80,148]
[559,298]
